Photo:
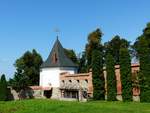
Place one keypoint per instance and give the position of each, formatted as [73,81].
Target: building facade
[59,78]
[56,63]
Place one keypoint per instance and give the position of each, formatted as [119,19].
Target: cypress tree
[98,77]
[111,78]
[3,88]
[142,47]
[125,71]
[144,75]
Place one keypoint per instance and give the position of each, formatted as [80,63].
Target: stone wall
[79,82]
[31,92]
[84,81]
[56,93]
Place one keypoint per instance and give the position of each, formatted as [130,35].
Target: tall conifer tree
[94,52]
[126,76]
[3,88]
[98,77]
[144,75]
[142,46]
[111,78]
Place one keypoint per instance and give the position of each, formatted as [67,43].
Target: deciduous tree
[94,39]
[114,46]
[29,65]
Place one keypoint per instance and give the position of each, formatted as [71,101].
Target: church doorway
[48,93]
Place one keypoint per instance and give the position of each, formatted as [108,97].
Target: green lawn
[53,106]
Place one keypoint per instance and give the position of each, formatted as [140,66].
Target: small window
[78,81]
[63,81]
[70,81]
[86,80]
[55,58]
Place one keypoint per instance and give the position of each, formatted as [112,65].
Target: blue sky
[28,24]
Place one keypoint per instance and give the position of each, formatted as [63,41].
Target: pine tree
[111,78]
[125,71]
[3,88]
[98,77]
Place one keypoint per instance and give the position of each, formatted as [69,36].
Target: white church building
[56,63]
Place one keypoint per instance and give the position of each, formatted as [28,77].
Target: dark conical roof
[58,58]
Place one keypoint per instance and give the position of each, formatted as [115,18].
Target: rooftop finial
[57,32]
[57,37]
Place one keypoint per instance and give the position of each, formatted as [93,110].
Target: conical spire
[57,57]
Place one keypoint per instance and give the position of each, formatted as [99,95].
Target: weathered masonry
[60,74]
[81,84]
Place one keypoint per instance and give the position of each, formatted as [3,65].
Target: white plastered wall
[50,76]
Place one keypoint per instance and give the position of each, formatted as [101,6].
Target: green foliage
[54,106]
[94,40]
[27,71]
[114,46]
[126,76]
[98,77]
[94,58]
[138,43]
[3,88]
[19,82]
[82,64]
[135,80]
[142,47]
[72,55]
[146,32]
[111,78]
[29,65]
[144,56]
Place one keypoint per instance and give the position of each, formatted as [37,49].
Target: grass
[54,106]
